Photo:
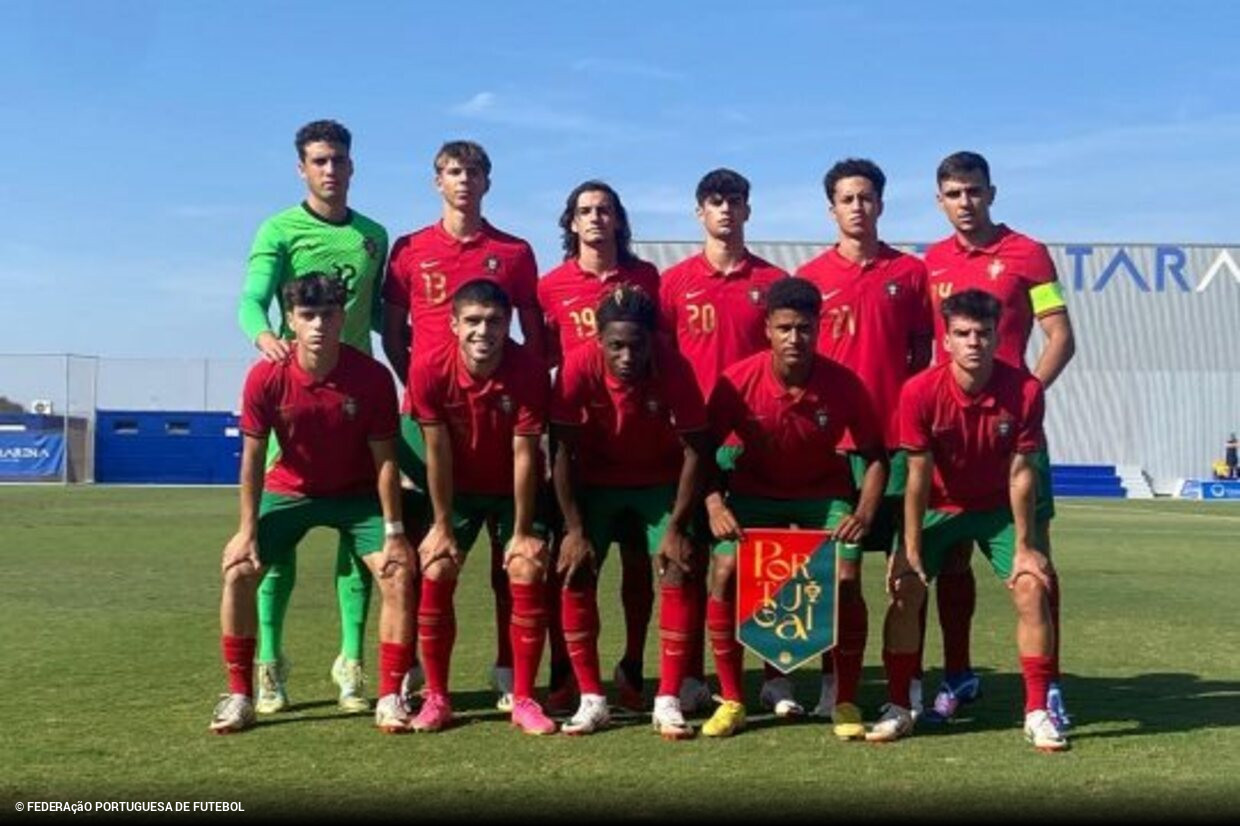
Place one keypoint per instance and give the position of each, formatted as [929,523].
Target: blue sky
[149,139]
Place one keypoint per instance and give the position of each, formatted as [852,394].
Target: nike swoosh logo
[568,301]
[829,294]
[933,273]
[689,296]
[426,265]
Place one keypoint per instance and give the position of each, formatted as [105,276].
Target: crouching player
[971,427]
[790,408]
[482,406]
[333,410]
[630,429]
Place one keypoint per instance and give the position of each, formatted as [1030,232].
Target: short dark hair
[624,234]
[722,182]
[959,164]
[467,153]
[627,302]
[481,291]
[315,289]
[975,305]
[794,293]
[854,168]
[329,131]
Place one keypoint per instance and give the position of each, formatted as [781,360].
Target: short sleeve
[532,400]
[1039,267]
[426,390]
[864,425]
[914,424]
[396,282]
[567,393]
[257,417]
[725,410]
[683,395]
[1030,438]
[525,279]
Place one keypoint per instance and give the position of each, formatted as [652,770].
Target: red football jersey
[972,438]
[482,415]
[426,267]
[792,437]
[324,426]
[569,297]
[628,432]
[870,316]
[716,318]
[1007,269]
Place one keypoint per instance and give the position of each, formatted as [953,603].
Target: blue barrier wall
[32,447]
[167,447]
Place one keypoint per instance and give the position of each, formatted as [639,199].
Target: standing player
[425,269]
[971,427]
[1018,271]
[790,408]
[712,305]
[876,322]
[334,411]
[481,402]
[630,432]
[320,234]
[597,259]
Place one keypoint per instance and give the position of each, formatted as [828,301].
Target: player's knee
[850,571]
[525,571]
[243,577]
[908,593]
[440,570]
[722,571]
[673,577]
[1029,593]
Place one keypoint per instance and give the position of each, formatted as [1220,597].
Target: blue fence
[167,447]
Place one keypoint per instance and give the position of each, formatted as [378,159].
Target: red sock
[503,605]
[239,661]
[850,652]
[394,660]
[695,664]
[437,631]
[900,670]
[729,656]
[528,630]
[675,614]
[637,597]
[1052,599]
[579,610]
[957,597]
[1038,673]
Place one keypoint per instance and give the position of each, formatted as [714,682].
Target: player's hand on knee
[576,554]
[1029,561]
[397,554]
[675,552]
[439,543]
[532,549]
[723,524]
[901,566]
[241,552]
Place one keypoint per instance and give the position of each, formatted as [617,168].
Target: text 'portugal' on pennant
[786,584]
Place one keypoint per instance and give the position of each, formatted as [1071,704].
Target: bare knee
[722,572]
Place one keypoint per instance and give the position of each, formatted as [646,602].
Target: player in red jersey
[876,321]
[597,258]
[333,409]
[790,407]
[482,404]
[713,306]
[1018,271]
[425,268]
[971,426]
[630,431]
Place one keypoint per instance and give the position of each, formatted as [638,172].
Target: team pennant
[786,585]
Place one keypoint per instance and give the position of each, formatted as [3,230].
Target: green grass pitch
[111,666]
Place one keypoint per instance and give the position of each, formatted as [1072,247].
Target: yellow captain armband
[1047,298]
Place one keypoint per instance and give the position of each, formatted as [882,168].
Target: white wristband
[393,528]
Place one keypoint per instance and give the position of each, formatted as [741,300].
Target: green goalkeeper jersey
[296,242]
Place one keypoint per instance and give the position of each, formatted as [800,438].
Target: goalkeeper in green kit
[321,234]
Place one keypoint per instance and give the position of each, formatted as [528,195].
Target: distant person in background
[1229,456]
[321,234]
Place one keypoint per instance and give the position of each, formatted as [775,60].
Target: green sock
[353,585]
[273,597]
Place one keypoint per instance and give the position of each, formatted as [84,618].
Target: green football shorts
[606,511]
[283,521]
[809,514]
[994,531]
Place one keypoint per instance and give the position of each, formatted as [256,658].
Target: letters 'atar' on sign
[786,584]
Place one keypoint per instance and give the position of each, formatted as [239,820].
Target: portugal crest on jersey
[821,418]
[893,289]
[492,264]
[755,295]
[1003,428]
[995,269]
[505,404]
[652,407]
[786,586]
[349,406]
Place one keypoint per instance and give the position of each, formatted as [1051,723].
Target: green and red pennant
[785,602]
